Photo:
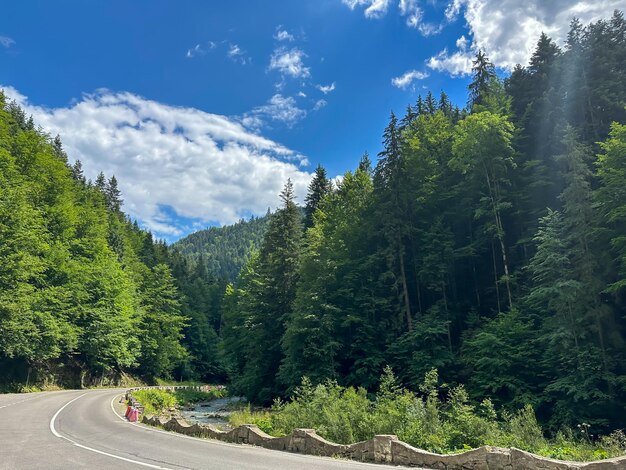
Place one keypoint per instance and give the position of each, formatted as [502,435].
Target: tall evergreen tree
[319,187]
[271,300]
[113,195]
[483,72]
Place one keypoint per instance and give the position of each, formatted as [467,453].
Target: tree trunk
[495,275]
[405,290]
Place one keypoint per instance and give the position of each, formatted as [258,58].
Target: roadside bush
[263,419]
[346,415]
[155,401]
[337,413]
[186,396]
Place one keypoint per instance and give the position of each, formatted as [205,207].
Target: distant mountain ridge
[225,249]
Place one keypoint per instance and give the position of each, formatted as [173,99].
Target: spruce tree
[483,71]
[113,195]
[319,187]
[271,299]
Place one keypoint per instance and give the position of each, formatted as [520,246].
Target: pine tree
[113,195]
[162,324]
[483,72]
[77,172]
[444,105]
[57,145]
[430,104]
[365,164]
[389,186]
[270,299]
[319,187]
[611,197]
[101,183]
[482,149]
[419,106]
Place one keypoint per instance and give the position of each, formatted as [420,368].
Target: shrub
[262,419]
[523,430]
[345,415]
[336,413]
[187,396]
[155,401]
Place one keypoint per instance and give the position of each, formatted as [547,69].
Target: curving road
[81,429]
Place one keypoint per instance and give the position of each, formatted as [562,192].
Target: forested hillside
[224,250]
[85,294]
[488,243]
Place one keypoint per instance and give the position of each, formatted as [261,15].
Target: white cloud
[319,104]
[200,49]
[415,18]
[406,79]
[6,41]
[326,88]
[458,64]
[206,167]
[283,35]
[508,30]
[462,43]
[453,9]
[194,51]
[289,62]
[237,54]
[375,8]
[302,94]
[279,108]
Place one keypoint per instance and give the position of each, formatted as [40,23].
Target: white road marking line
[17,402]
[119,457]
[182,436]
[249,447]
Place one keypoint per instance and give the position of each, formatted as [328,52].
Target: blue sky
[203,109]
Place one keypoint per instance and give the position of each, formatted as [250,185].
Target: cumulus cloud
[326,88]
[283,35]
[289,62]
[406,79]
[508,30]
[457,64]
[279,108]
[172,162]
[462,43]
[6,41]
[374,8]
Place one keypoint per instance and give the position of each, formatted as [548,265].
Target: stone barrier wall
[383,449]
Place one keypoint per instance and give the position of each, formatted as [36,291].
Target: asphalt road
[80,429]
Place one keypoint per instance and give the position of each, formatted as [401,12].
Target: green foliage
[84,293]
[154,400]
[262,419]
[486,243]
[186,396]
[224,250]
[346,415]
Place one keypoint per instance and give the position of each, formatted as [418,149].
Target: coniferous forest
[486,241]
